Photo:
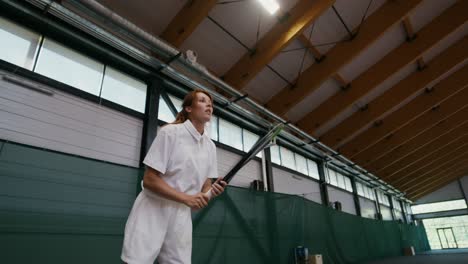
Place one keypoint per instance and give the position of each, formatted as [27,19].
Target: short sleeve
[213,173]
[160,151]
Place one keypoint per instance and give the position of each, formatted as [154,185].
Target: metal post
[268,170]
[357,204]
[462,190]
[403,210]
[377,204]
[392,208]
[150,123]
[323,184]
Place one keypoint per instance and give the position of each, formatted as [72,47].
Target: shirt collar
[192,130]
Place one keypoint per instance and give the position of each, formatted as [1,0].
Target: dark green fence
[57,208]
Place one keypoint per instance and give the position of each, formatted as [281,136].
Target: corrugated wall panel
[286,182]
[69,124]
[346,199]
[250,172]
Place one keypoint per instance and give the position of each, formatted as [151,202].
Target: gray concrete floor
[448,256]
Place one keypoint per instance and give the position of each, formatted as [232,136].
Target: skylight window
[270,5]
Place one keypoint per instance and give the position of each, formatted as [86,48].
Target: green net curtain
[244,226]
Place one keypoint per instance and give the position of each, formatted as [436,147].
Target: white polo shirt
[184,157]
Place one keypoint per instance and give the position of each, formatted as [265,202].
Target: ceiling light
[270,5]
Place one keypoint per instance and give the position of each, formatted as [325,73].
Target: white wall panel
[250,172]
[346,199]
[450,191]
[69,124]
[287,182]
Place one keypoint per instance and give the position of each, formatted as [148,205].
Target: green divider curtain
[58,208]
[244,226]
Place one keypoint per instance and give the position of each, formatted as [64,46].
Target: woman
[180,163]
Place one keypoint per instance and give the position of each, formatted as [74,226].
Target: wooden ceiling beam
[424,111]
[410,34]
[438,181]
[391,13]
[186,21]
[318,56]
[407,87]
[438,171]
[433,187]
[401,135]
[427,142]
[288,27]
[435,184]
[442,26]
[430,166]
[422,158]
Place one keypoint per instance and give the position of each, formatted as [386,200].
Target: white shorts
[157,228]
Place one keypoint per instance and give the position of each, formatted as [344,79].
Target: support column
[323,184]
[150,123]
[377,204]
[463,191]
[268,170]
[392,208]
[357,204]
[403,210]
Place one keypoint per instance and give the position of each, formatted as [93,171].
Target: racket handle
[209,194]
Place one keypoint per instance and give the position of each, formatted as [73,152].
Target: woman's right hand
[197,201]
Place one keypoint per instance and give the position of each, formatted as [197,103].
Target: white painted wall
[250,172]
[290,183]
[450,191]
[346,199]
[68,124]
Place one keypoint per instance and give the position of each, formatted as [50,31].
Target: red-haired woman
[180,163]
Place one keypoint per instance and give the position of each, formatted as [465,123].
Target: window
[382,198]
[124,90]
[340,180]
[313,169]
[214,128]
[337,179]
[396,204]
[287,158]
[164,113]
[176,102]
[438,207]
[301,163]
[70,67]
[275,157]
[21,44]
[359,188]
[230,134]
[365,191]
[348,184]
[372,194]
[332,177]
[249,140]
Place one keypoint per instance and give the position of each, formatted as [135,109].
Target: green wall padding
[242,226]
[58,208]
